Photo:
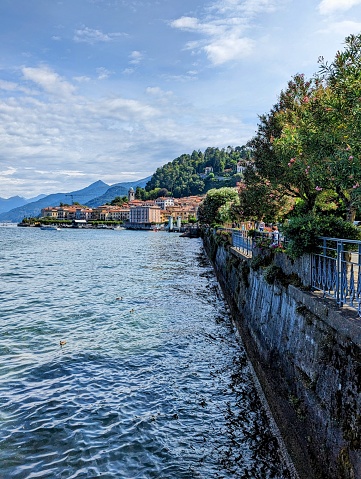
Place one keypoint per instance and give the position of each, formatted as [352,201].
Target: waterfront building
[66,212]
[49,212]
[164,201]
[111,213]
[184,212]
[145,214]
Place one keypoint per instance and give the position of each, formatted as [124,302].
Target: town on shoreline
[163,213]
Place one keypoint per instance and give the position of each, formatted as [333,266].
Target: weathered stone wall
[307,354]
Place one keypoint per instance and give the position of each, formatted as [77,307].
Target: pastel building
[145,214]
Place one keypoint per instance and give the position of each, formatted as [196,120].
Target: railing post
[338,271]
[358,279]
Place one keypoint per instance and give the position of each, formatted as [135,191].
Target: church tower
[131,194]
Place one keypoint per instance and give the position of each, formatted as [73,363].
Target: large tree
[216,207]
[309,145]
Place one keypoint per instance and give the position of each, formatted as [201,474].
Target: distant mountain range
[93,195]
[120,189]
[7,204]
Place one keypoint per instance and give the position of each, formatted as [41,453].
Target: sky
[113,89]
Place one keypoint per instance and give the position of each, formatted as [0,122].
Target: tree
[119,201]
[216,207]
[309,146]
[277,145]
[343,111]
[259,200]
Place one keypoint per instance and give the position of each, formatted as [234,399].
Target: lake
[151,380]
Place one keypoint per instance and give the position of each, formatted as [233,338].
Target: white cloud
[135,57]
[8,172]
[8,86]
[49,81]
[82,79]
[63,140]
[246,7]
[186,23]
[103,73]
[327,7]
[343,28]
[126,109]
[225,28]
[91,36]
[70,173]
[226,49]
[155,90]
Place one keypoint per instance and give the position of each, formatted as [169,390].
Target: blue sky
[113,89]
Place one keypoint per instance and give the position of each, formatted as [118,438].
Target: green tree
[119,201]
[216,207]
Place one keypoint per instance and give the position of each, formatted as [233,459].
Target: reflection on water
[151,382]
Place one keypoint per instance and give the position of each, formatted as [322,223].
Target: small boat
[50,228]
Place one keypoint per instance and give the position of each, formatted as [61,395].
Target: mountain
[33,209]
[7,204]
[119,189]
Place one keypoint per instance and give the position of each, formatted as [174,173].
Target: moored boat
[50,227]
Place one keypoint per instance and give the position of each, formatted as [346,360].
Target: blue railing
[336,271]
[242,242]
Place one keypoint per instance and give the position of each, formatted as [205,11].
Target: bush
[252,233]
[223,237]
[302,233]
[271,273]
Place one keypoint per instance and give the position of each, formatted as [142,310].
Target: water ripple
[152,385]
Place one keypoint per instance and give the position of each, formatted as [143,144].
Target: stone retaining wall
[307,355]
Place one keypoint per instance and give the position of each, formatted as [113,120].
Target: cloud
[91,36]
[49,81]
[8,172]
[343,28]
[71,173]
[81,139]
[127,109]
[327,7]
[186,23]
[156,91]
[245,7]
[135,57]
[103,73]
[8,86]
[82,79]
[224,28]
[226,49]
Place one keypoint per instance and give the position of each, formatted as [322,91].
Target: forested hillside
[199,172]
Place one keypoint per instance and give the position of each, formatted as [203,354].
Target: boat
[50,227]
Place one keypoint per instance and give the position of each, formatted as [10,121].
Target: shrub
[271,273]
[223,237]
[302,233]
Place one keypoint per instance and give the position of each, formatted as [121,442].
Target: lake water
[152,381]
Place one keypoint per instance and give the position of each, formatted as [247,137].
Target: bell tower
[131,194]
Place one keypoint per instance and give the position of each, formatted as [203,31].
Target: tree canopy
[307,148]
[186,175]
[216,207]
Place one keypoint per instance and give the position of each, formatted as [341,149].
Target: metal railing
[336,271]
[242,242]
